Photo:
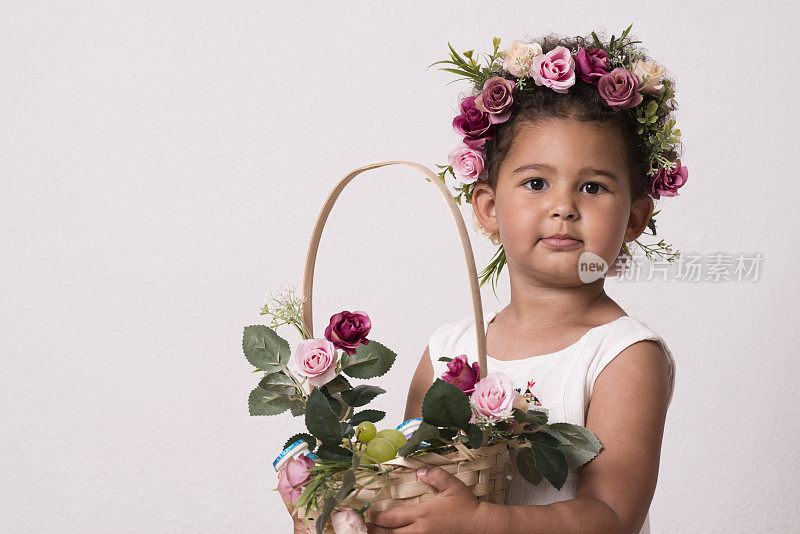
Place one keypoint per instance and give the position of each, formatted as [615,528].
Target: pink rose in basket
[293,477]
[494,396]
[347,330]
[460,374]
[348,521]
[316,360]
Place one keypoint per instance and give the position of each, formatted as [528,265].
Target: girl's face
[562,176]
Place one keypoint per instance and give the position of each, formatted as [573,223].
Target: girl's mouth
[560,243]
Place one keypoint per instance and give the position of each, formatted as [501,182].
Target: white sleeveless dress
[561,381]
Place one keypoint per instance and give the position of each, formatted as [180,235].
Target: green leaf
[265,349]
[347,430]
[583,444]
[550,461]
[361,395]
[278,380]
[475,435]
[526,465]
[268,402]
[424,432]
[320,419]
[445,359]
[446,405]
[348,483]
[367,415]
[334,453]
[327,508]
[297,406]
[370,360]
[308,438]
[534,418]
[334,403]
[337,384]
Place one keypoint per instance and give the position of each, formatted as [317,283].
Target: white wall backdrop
[163,164]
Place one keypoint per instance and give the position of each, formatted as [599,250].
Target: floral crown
[626,81]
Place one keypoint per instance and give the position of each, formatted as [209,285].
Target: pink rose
[666,182]
[467,163]
[555,69]
[293,477]
[496,99]
[620,89]
[347,330]
[473,124]
[461,375]
[494,396]
[591,64]
[348,521]
[315,359]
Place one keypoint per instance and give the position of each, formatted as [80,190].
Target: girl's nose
[563,207]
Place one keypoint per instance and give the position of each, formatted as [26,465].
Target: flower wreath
[626,81]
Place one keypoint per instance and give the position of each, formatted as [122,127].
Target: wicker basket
[483,470]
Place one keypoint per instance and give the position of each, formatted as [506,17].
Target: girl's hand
[299,526]
[453,510]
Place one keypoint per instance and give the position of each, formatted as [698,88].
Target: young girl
[558,171]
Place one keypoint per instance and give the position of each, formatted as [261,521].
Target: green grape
[395,436]
[365,431]
[381,449]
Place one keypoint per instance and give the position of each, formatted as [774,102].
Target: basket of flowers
[341,465]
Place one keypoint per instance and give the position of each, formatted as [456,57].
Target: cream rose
[348,522]
[519,57]
[654,73]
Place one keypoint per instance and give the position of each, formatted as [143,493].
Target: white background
[162,167]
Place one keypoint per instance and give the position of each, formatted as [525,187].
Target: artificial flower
[316,360]
[666,182]
[473,124]
[494,396]
[293,478]
[460,374]
[496,99]
[620,89]
[519,58]
[347,330]
[654,74]
[555,69]
[591,64]
[467,163]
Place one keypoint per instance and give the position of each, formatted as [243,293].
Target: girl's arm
[627,413]
[422,380]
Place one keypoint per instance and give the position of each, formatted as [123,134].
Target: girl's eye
[537,184]
[594,188]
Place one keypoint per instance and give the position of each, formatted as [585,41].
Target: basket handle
[308,276]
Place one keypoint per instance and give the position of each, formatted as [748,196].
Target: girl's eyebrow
[585,170]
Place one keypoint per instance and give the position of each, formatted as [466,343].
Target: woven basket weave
[483,470]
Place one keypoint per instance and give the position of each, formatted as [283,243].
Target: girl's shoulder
[612,338]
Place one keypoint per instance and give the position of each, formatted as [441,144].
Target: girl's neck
[540,307]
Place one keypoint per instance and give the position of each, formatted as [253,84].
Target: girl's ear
[641,211]
[484,206]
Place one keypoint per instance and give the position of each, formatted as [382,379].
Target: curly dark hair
[582,102]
